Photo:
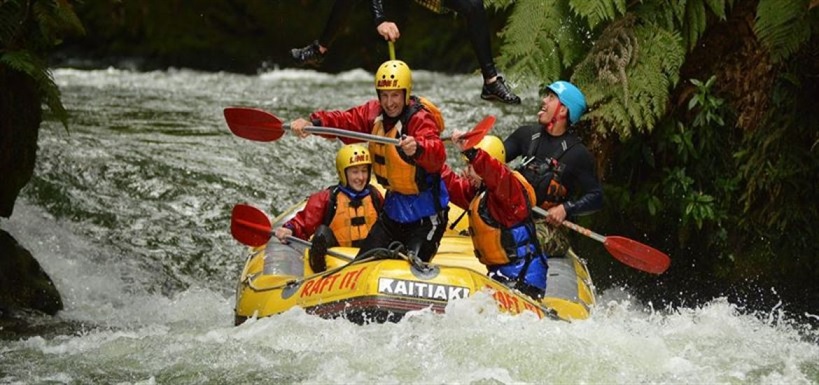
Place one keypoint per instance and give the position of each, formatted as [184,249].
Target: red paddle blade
[637,255]
[253,124]
[472,138]
[249,225]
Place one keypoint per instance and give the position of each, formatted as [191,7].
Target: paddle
[628,251]
[262,126]
[250,226]
[392,50]
[474,136]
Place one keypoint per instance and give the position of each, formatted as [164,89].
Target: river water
[129,211]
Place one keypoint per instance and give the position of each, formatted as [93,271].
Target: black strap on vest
[332,204]
[570,141]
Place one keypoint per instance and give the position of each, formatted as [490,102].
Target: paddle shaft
[347,134]
[575,227]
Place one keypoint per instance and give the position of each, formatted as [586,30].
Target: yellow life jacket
[394,172]
[351,220]
[498,246]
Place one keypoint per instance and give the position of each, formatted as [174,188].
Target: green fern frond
[782,26]
[598,11]
[497,4]
[690,17]
[694,23]
[628,76]
[544,40]
[27,63]
[55,20]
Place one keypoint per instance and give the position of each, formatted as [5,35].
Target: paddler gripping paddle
[262,126]
[628,251]
[251,226]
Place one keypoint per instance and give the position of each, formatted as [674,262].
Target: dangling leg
[313,54]
[477,25]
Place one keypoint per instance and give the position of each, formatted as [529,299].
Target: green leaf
[782,26]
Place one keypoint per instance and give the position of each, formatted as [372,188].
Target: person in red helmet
[341,215]
[557,164]
[494,86]
[499,204]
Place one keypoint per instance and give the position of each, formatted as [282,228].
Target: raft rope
[395,250]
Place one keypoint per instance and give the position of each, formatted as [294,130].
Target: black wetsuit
[585,195]
[473,11]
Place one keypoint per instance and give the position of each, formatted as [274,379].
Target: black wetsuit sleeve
[377,9]
[583,179]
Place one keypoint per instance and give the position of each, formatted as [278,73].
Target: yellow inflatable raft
[386,286]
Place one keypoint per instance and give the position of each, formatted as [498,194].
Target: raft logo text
[421,289]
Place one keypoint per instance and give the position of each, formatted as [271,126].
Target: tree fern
[782,26]
[542,39]
[627,76]
[598,11]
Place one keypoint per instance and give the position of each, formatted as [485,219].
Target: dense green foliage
[725,162]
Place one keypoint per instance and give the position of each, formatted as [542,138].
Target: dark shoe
[499,91]
[308,56]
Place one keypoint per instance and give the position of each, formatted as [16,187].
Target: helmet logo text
[387,83]
[359,158]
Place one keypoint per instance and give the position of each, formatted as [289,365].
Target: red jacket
[505,195]
[308,219]
[431,154]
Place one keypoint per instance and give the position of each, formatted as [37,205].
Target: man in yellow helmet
[341,215]
[499,204]
[415,207]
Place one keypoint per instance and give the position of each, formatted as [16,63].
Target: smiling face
[551,108]
[392,102]
[358,176]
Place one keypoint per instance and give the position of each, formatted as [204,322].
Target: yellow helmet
[494,147]
[394,75]
[348,156]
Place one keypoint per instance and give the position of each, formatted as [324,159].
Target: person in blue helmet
[557,164]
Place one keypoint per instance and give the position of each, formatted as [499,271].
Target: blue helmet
[571,97]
